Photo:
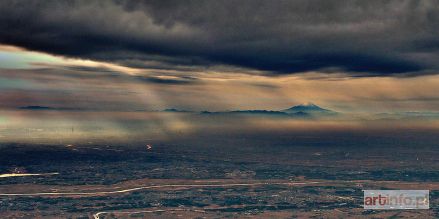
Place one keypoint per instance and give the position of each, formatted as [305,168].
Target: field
[255,174]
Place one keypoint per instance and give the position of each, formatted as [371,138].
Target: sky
[349,56]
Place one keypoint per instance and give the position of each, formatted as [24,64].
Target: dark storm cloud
[366,37]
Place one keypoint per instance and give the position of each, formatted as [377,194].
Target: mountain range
[308,110]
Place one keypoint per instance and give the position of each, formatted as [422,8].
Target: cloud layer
[362,38]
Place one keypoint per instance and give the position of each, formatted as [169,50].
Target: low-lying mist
[86,126]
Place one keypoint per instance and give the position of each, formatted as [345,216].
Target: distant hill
[176,110]
[257,112]
[36,108]
[248,113]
